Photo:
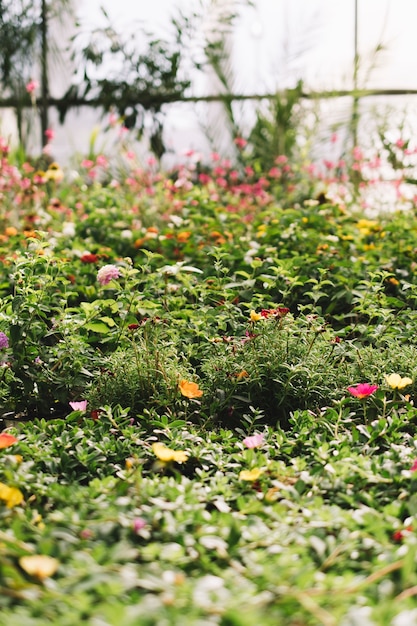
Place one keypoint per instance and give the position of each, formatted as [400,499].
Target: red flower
[280,311]
[363,390]
[89,257]
[399,535]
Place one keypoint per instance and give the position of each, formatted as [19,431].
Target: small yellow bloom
[166,455]
[366,227]
[254,316]
[10,495]
[396,382]
[250,475]
[189,389]
[54,172]
[38,565]
[242,374]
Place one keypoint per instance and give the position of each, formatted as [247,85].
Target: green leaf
[98,327]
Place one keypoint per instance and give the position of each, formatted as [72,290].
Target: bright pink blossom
[240,142]
[254,441]
[81,405]
[49,134]
[363,390]
[413,468]
[107,273]
[32,86]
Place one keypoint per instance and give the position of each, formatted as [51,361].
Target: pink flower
[101,161]
[107,273]
[240,142]
[413,468]
[81,405]
[363,390]
[113,119]
[138,524]
[50,134]
[32,86]
[254,441]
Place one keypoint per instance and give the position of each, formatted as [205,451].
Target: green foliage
[142,81]
[277,130]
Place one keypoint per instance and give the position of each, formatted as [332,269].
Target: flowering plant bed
[207,398]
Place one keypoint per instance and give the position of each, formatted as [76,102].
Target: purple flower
[254,442]
[107,273]
[81,405]
[4,340]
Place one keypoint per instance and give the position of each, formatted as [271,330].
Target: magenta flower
[363,390]
[107,273]
[81,405]
[413,468]
[254,441]
[4,341]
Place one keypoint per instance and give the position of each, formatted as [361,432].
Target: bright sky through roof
[314,38]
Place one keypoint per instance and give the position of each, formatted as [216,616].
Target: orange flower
[184,236]
[6,440]
[189,389]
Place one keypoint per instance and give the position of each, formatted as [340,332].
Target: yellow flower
[54,172]
[366,227]
[396,382]
[189,389]
[254,316]
[242,374]
[250,475]
[38,565]
[166,455]
[10,495]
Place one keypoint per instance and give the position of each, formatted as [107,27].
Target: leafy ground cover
[207,386]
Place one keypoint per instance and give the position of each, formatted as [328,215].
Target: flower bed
[208,382]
